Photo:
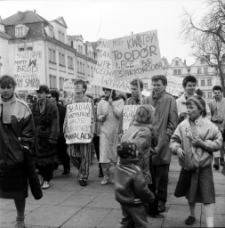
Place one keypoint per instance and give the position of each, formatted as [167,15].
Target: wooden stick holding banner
[139,90]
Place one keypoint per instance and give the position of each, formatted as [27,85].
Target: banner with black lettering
[78,123]
[128,114]
[27,70]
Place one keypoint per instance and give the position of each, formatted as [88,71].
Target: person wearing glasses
[109,114]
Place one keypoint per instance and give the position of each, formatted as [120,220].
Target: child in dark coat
[131,189]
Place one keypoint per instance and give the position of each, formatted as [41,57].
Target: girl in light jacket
[196,133]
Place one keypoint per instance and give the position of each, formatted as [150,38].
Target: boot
[216,163]
[222,161]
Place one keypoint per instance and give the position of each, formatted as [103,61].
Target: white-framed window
[20,31]
[61,59]
[179,72]
[61,36]
[206,70]
[21,49]
[209,94]
[70,62]
[51,32]
[199,70]
[78,66]
[174,72]
[61,81]
[52,82]
[145,85]
[88,70]
[203,94]
[202,82]
[177,63]
[202,61]
[52,55]
[83,68]
[209,82]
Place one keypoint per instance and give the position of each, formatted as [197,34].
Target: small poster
[78,123]
[128,113]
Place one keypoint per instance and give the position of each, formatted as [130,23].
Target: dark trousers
[133,216]
[96,141]
[62,154]
[161,176]
[46,171]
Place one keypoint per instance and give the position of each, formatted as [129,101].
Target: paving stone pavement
[68,205]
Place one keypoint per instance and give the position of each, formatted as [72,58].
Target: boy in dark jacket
[131,189]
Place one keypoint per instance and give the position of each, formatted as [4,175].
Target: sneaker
[105,180]
[45,185]
[19,224]
[161,207]
[112,181]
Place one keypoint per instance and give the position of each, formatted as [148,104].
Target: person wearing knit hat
[131,189]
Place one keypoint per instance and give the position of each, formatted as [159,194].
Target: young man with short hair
[80,153]
[189,84]
[164,124]
[217,108]
[135,96]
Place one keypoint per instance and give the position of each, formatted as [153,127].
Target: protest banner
[136,56]
[103,74]
[68,88]
[79,123]
[27,70]
[174,85]
[128,113]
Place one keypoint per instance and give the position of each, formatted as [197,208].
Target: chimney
[185,62]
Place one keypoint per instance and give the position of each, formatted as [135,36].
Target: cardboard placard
[128,113]
[174,85]
[79,123]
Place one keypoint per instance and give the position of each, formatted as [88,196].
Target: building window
[209,82]
[61,81]
[78,66]
[19,31]
[202,61]
[52,56]
[176,63]
[179,72]
[206,70]
[199,70]
[21,49]
[203,94]
[61,59]
[51,32]
[83,68]
[61,37]
[209,94]
[174,72]
[145,86]
[70,62]
[52,82]
[88,70]
[202,82]
[29,49]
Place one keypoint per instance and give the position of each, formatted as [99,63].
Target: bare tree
[207,38]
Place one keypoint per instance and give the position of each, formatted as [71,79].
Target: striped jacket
[130,185]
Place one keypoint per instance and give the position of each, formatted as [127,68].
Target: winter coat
[164,124]
[20,132]
[142,137]
[205,129]
[47,132]
[130,185]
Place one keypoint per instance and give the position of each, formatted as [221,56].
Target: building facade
[63,56]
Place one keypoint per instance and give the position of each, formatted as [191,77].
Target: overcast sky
[108,19]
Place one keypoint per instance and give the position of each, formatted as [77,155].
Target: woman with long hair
[109,113]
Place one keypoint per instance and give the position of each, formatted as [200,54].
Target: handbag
[34,182]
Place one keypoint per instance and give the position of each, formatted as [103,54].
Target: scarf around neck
[6,109]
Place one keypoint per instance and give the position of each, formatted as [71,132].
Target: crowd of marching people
[33,143]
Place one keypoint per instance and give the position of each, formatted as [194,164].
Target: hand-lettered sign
[128,113]
[78,123]
[27,69]
[136,56]
[174,85]
[103,75]
[69,88]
